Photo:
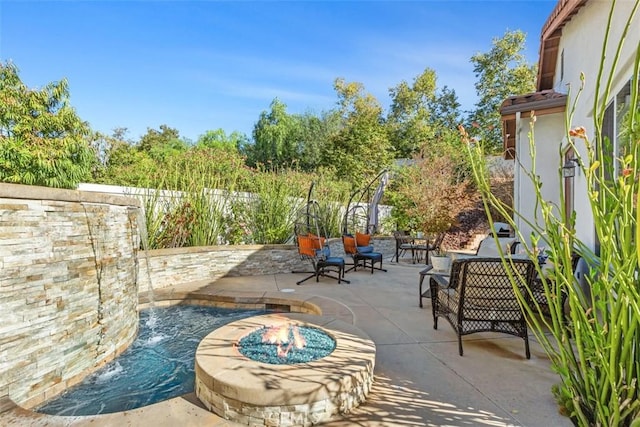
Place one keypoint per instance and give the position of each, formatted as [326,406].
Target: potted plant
[439,259]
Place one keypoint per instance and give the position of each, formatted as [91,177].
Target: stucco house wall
[579,51]
[547,143]
[581,42]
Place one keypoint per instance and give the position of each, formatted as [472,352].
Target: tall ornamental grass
[266,214]
[209,197]
[194,216]
[182,205]
[332,197]
[595,347]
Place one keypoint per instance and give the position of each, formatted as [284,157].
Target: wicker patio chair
[478,297]
[540,296]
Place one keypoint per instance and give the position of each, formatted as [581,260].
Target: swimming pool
[158,366]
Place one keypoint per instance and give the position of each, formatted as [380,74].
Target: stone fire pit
[250,392]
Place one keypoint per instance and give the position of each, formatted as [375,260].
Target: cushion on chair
[319,240]
[365,249]
[308,245]
[363,239]
[324,253]
[349,243]
[488,246]
[502,229]
[458,255]
[376,256]
[334,261]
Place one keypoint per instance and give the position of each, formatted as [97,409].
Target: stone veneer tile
[49,284]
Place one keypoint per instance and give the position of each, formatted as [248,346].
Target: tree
[103,145]
[121,161]
[501,72]
[42,140]
[276,137]
[162,144]
[218,139]
[445,110]
[409,114]
[361,147]
[142,164]
[315,136]
[420,113]
[435,188]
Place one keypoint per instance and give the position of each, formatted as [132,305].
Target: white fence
[167,198]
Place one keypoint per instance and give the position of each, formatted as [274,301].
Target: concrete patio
[420,380]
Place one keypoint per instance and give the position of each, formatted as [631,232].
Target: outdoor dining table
[420,248]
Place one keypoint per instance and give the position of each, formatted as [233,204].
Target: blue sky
[201,65]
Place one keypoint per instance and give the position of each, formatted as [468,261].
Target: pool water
[159,365]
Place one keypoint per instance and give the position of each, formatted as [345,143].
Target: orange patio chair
[314,249]
[358,247]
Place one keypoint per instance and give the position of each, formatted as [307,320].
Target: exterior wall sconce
[569,168]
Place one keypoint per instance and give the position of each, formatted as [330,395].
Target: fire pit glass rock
[286,344]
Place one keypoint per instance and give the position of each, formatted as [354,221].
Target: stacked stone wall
[68,287]
[169,267]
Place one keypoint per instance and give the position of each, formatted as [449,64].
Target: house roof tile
[541,100]
[550,40]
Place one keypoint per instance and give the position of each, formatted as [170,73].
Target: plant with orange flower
[595,346]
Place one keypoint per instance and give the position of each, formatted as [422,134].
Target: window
[615,146]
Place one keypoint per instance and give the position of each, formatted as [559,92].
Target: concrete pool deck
[420,380]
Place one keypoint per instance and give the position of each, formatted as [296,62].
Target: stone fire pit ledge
[255,393]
